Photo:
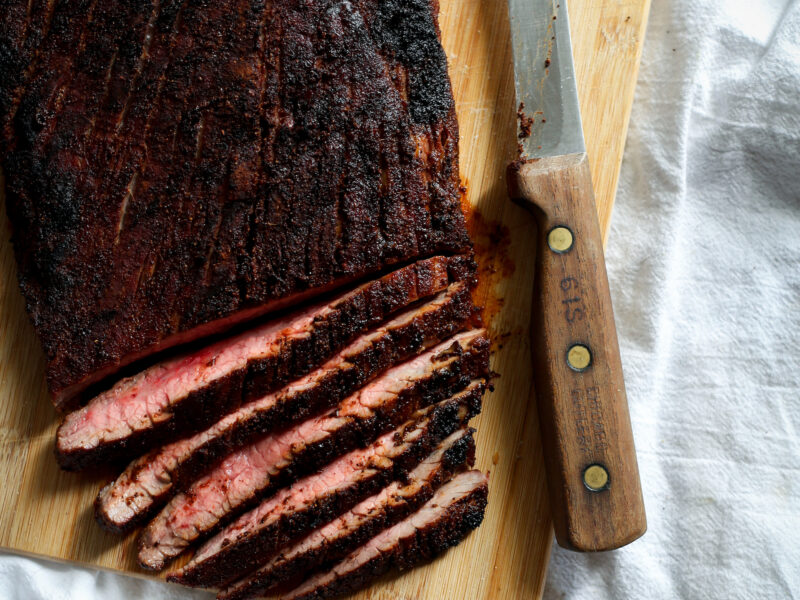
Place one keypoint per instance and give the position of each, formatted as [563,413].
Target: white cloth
[704,261]
[31,579]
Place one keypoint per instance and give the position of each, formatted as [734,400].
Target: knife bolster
[543,184]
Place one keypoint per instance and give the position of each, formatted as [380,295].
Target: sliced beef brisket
[189,517]
[333,541]
[249,541]
[455,509]
[247,474]
[150,480]
[173,168]
[192,391]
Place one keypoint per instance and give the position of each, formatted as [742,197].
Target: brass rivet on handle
[579,357]
[595,477]
[560,239]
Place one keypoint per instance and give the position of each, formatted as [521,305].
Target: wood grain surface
[48,513]
[580,392]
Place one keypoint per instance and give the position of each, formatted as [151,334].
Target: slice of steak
[333,541]
[313,501]
[194,390]
[150,480]
[248,474]
[175,167]
[455,509]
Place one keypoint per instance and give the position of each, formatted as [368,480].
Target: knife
[592,475]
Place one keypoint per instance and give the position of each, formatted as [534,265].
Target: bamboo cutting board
[49,513]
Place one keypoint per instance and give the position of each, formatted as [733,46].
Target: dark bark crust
[175,163]
[247,554]
[452,525]
[445,418]
[283,571]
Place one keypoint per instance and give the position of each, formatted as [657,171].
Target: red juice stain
[492,242]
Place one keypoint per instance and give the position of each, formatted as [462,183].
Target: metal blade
[544,77]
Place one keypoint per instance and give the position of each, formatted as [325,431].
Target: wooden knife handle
[593,478]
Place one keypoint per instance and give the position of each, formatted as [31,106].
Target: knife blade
[592,473]
[544,79]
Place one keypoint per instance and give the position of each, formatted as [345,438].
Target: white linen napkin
[704,263]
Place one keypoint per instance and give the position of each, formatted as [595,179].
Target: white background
[704,261]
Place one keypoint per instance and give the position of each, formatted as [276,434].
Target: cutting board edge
[605,202]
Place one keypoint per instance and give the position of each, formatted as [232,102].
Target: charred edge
[397,345]
[449,530]
[446,418]
[460,456]
[245,555]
